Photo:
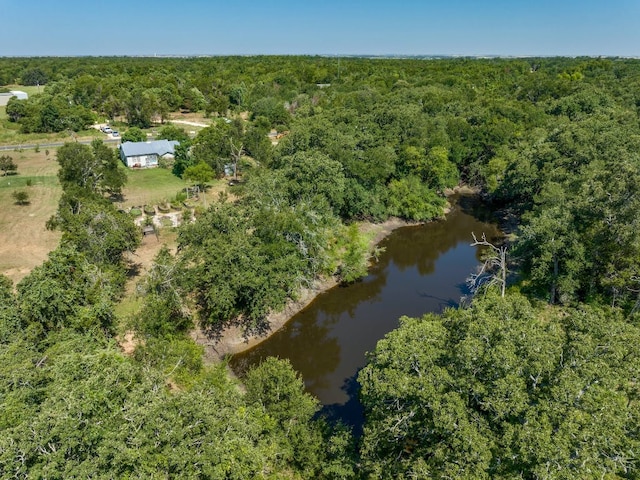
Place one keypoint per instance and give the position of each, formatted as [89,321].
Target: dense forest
[541,382]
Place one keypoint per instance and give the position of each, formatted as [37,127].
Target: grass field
[150,186]
[24,240]
[10,134]
[158,185]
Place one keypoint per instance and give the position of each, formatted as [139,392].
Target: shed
[20,95]
[6,96]
[146,154]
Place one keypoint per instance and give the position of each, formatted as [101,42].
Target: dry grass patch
[24,240]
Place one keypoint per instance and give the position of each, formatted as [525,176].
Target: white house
[146,154]
[19,94]
[5,96]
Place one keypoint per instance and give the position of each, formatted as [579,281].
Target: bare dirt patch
[141,260]
[195,117]
[128,343]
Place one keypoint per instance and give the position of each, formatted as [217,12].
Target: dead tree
[636,305]
[494,269]
[236,153]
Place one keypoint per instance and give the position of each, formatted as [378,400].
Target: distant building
[146,154]
[19,94]
[5,96]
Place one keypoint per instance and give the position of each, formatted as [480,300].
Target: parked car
[107,130]
[115,133]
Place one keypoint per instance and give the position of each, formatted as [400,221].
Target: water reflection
[423,269]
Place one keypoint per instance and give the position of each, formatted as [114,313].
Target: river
[422,269]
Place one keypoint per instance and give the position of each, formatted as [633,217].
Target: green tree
[172,132]
[552,247]
[313,175]
[94,168]
[165,311]
[193,99]
[272,109]
[410,198]
[16,109]
[34,76]
[199,174]
[7,165]
[67,291]
[182,159]
[11,325]
[242,261]
[211,145]
[139,107]
[94,227]
[306,444]
[502,390]
[134,134]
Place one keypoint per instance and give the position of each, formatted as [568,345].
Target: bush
[21,197]
[180,197]
[149,210]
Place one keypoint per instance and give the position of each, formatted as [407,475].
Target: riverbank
[233,339]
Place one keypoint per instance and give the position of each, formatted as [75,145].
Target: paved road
[53,144]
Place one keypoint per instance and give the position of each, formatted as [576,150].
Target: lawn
[157,185]
[150,186]
[28,89]
[10,134]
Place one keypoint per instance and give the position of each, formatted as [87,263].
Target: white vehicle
[106,129]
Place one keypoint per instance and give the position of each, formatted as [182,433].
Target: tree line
[536,382]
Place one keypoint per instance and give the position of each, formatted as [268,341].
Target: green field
[150,186]
[28,89]
[157,185]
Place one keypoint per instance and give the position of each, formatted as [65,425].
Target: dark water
[423,269]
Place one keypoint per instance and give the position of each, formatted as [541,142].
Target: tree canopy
[499,391]
[539,384]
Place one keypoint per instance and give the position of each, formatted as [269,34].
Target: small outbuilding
[146,154]
[20,95]
[6,96]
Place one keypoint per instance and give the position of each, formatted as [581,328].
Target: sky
[332,27]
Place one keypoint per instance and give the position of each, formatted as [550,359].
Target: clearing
[24,240]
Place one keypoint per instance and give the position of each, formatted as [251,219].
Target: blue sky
[346,27]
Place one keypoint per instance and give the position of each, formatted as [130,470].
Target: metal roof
[158,147]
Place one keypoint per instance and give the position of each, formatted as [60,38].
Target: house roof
[20,94]
[158,147]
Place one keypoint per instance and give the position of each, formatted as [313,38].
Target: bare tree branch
[494,269]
